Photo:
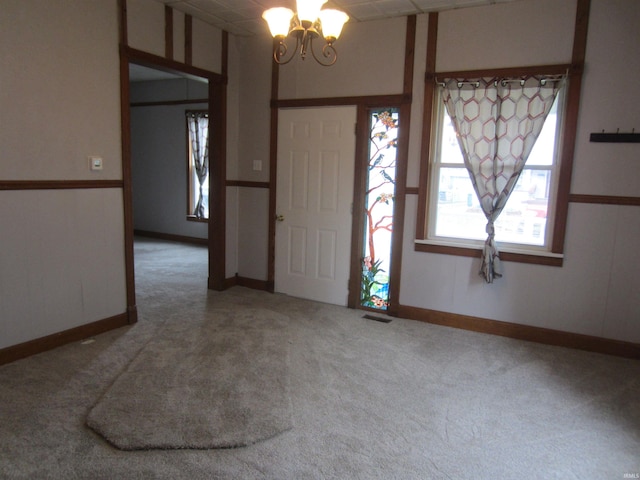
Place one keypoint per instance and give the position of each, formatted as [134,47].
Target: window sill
[506,254]
[193,218]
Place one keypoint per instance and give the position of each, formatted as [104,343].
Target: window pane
[449,146]
[458,212]
[523,220]
[198,160]
[544,148]
[379,206]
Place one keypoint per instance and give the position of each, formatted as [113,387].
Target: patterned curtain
[199,134]
[497,122]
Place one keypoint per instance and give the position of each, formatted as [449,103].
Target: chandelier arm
[329,54]
[280,52]
[284,23]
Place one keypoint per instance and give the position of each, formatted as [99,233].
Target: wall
[62,259]
[597,291]
[159,156]
[357,72]
[146,32]
[254,75]
[62,253]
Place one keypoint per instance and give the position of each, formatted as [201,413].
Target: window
[455,215]
[380,193]
[198,165]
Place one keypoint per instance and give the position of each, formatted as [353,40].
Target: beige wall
[62,253]
[597,291]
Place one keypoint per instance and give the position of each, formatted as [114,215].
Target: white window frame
[433,189]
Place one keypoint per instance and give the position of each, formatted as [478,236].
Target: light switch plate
[257,165]
[95,163]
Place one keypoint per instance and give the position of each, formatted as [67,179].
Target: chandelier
[306,24]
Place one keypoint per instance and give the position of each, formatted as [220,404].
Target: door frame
[359,194]
[401,101]
[217,163]
[363,105]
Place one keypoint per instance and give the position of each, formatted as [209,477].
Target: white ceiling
[244,17]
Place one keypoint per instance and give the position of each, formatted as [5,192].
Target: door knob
[280,218]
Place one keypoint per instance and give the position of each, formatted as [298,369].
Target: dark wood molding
[368,101]
[43,344]
[427,122]
[127,179]
[188,39]
[409,55]
[359,193]
[193,218]
[58,184]
[273,172]
[157,62]
[171,237]
[224,67]
[412,191]
[571,117]
[238,281]
[132,314]
[604,199]
[168,32]
[230,282]
[477,253]
[523,332]
[218,173]
[581,31]
[402,162]
[122,23]
[217,177]
[560,69]
[165,103]
[247,183]
[263,285]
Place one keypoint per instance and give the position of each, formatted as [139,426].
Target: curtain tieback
[491,231]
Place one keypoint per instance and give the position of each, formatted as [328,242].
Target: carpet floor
[369,400]
[220,383]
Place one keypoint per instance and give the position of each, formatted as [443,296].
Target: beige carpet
[217,384]
[403,400]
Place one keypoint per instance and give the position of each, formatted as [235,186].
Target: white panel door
[316,158]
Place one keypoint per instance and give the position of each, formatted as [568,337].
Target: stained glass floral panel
[379,204]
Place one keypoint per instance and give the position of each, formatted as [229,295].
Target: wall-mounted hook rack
[616,137]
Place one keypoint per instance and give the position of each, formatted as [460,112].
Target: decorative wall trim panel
[249,184]
[604,199]
[58,184]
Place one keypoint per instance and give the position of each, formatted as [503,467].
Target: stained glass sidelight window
[379,202]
